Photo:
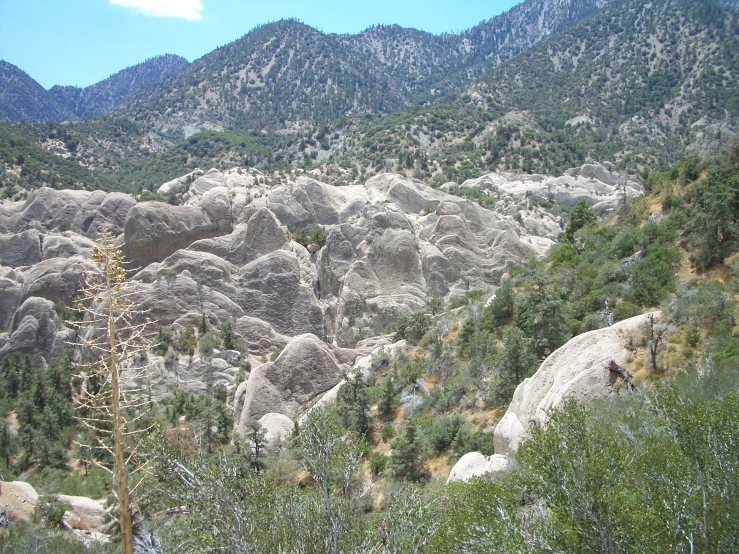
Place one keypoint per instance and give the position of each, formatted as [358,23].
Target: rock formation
[581,369]
[474,464]
[226,253]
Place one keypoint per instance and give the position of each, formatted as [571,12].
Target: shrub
[625,310]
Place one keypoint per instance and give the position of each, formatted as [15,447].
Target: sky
[81,42]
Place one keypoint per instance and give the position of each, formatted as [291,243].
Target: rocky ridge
[226,253]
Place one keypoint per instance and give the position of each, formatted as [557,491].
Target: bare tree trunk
[120,457]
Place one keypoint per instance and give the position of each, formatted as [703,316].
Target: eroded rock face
[56,279]
[600,185]
[18,499]
[21,249]
[155,230]
[306,368]
[278,428]
[85,514]
[578,370]
[474,464]
[227,253]
[37,332]
[48,208]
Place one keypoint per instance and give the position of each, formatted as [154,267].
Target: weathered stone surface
[85,514]
[65,246]
[274,290]
[259,336]
[172,298]
[46,209]
[21,249]
[10,293]
[261,235]
[155,230]
[278,428]
[474,464]
[56,279]
[37,332]
[306,368]
[18,499]
[600,185]
[576,370]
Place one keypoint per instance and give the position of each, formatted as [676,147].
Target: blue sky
[80,42]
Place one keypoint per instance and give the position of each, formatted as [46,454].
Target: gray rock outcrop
[46,209]
[306,368]
[474,464]
[154,230]
[278,428]
[578,370]
[21,249]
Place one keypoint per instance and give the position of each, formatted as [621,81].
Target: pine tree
[405,459]
[353,404]
[388,397]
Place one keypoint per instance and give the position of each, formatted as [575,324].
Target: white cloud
[183,9]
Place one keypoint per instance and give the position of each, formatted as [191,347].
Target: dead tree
[113,340]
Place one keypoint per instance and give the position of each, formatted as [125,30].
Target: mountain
[22,98]
[102,97]
[286,73]
[638,83]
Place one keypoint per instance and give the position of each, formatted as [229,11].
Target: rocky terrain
[226,254]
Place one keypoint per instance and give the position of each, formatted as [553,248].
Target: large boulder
[66,245]
[37,332]
[155,230]
[474,464]
[261,235]
[57,279]
[278,428]
[46,209]
[10,292]
[579,370]
[85,514]
[306,368]
[21,249]
[18,499]
[279,288]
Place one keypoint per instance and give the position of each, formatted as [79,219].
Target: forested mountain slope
[638,83]
[287,73]
[102,97]
[23,99]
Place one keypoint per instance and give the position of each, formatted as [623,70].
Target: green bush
[625,310]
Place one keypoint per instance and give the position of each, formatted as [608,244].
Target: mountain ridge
[23,98]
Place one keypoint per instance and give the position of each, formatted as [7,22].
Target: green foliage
[503,306]
[317,235]
[378,463]
[42,399]
[582,215]
[163,340]
[407,453]
[352,402]
[186,341]
[207,344]
[711,217]
[518,361]
[227,335]
[412,328]
[542,316]
[625,310]
[444,431]
[650,472]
